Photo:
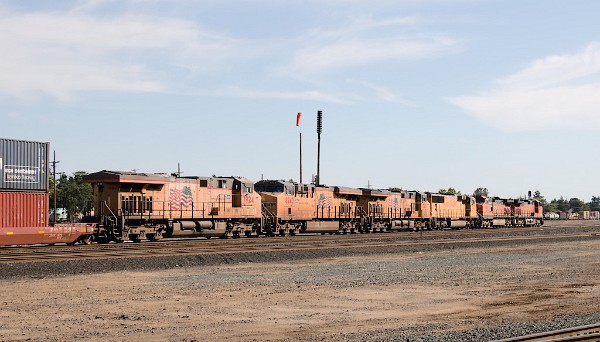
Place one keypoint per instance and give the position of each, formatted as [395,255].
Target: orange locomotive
[297,208]
[452,211]
[135,206]
[497,212]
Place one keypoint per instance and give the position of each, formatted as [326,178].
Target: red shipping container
[23,209]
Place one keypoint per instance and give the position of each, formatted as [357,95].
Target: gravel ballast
[427,292]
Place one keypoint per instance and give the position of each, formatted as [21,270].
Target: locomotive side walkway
[484,291]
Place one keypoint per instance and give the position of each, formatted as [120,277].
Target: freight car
[24,198]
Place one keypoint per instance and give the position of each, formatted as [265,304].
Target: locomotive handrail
[114,218]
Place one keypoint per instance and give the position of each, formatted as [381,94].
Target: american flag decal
[324,201]
[181,198]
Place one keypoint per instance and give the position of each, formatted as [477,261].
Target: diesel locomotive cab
[287,206]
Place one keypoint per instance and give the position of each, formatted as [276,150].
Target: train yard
[318,262]
[468,285]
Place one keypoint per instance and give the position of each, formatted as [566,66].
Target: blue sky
[415,94]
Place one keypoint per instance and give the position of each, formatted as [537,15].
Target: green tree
[537,195]
[449,191]
[481,192]
[577,205]
[560,204]
[71,193]
[594,204]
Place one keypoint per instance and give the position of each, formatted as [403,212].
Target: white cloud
[556,91]
[365,41]
[60,53]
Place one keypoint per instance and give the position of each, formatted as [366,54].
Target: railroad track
[206,247]
[583,333]
[184,242]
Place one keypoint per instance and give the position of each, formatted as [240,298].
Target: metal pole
[54,162]
[300,155]
[319,130]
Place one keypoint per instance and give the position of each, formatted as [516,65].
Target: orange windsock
[298,119]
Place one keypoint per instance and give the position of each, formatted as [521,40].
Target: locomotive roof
[345,190]
[276,186]
[380,192]
[143,177]
[126,176]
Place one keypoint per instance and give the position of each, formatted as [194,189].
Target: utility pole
[319,131]
[54,162]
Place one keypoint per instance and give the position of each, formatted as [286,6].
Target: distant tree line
[574,204]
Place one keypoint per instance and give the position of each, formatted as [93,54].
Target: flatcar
[24,198]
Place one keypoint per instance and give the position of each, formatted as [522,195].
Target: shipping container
[23,209]
[23,165]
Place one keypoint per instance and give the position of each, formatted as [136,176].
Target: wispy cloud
[312,95]
[382,93]
[556,91]
[365,41]
[60,53]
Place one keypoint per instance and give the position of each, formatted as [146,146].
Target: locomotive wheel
[152,237]
[135,238]
[86,240]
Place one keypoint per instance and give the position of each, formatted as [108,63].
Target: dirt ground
[310,300]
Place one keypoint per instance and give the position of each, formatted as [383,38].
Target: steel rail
[188,241]
[156,249]
[582,333]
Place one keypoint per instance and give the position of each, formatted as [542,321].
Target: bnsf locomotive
[136,206]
